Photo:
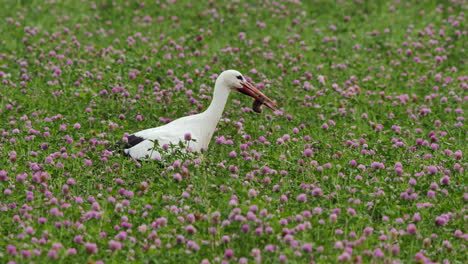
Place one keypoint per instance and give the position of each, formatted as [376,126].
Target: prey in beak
[260,98]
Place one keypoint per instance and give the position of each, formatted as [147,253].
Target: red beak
[250,90]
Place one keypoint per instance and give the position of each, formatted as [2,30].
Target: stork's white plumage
[200,127]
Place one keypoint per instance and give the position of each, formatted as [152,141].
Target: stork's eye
[239,77]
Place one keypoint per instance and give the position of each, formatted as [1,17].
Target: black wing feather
[132,141]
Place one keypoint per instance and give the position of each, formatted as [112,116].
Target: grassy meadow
[364,162]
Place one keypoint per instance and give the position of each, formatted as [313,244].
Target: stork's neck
[216,108]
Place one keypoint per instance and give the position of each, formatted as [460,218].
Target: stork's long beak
[252,91]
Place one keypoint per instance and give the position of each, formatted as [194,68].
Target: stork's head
[234,80]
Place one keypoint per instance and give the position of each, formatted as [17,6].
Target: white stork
[199,127]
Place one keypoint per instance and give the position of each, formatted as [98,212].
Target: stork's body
[200,127]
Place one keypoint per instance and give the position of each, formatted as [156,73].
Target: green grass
[84,41]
